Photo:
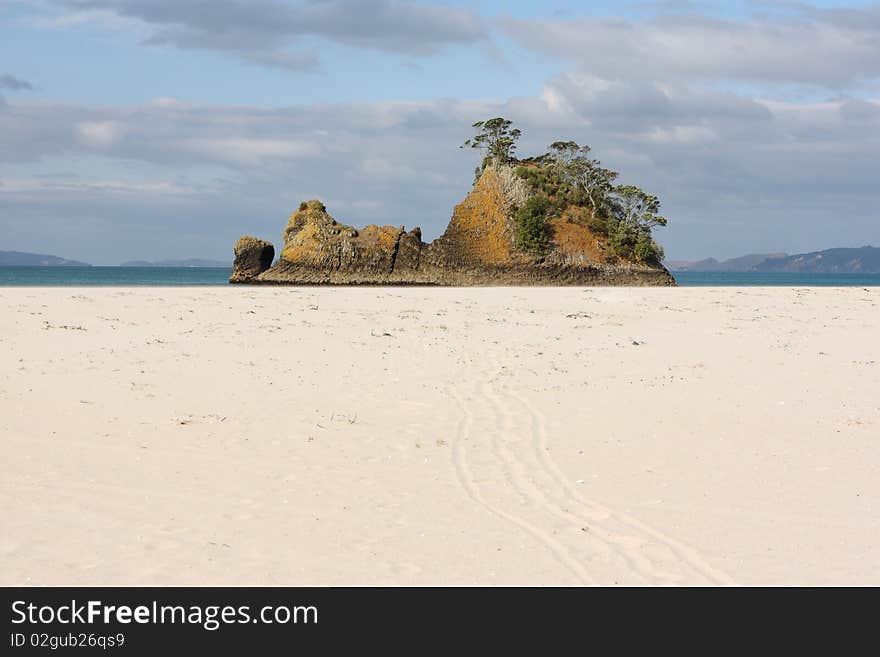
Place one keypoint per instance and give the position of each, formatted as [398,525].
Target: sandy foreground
[442,436]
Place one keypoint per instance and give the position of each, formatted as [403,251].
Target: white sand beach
[440,436]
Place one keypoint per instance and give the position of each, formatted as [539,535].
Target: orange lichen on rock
[309,231]
[253,256]
[315,239]
[480,229]
[573,240]
[382,237]
[479,247]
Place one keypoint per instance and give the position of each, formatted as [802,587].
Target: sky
[154,129]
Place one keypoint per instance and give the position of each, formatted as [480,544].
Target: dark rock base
[284,273]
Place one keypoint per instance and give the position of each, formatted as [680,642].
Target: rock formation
[477,248]
[252,257]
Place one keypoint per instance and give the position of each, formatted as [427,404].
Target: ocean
[113,276]
[754,279]
[199,276]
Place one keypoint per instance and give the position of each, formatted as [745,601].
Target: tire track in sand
[529,479]
[591,533]
[682,553]
[464,473]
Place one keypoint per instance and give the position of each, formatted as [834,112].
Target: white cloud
[249,152]
[99,134]
[29,186]
[263,32]
[812,47]
[169,102]
[687,134]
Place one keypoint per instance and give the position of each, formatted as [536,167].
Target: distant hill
[743,263]
[864,260]
[21,259]
[189,262]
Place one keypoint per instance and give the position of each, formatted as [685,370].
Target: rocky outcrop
[252,257]
[477,248]
[319,250]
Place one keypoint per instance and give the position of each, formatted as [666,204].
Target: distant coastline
[26,259]
[864,260]
[23,259]
[188,262]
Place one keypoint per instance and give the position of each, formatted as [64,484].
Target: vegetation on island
[567,176]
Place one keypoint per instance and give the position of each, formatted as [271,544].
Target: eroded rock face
[320,250]
[480,230]
[315,240]
[477,248]
[253,256]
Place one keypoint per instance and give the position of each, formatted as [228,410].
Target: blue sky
[148,129]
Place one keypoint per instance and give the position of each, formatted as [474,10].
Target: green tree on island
[575,166]
[567,176]
[496,140]
[637,208]
[564,152]
[635,214]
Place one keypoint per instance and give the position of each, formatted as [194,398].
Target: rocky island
[555,219]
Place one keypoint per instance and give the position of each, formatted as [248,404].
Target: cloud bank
[728,168]
[263,32]
[759,134]
[825,48]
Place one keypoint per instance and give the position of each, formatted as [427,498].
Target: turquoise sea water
[172,276]
[113,276]
[730,279]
